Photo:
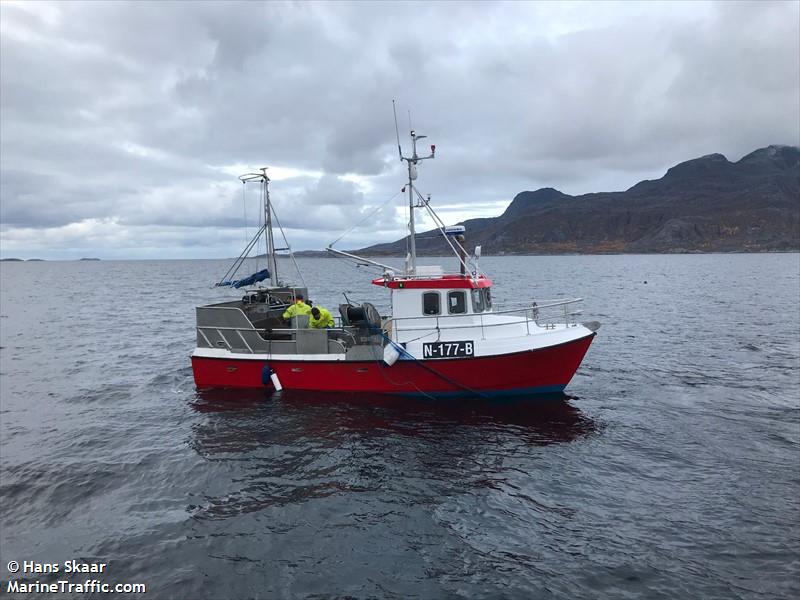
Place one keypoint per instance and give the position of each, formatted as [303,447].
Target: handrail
[539,303]
[238,330]
[522,320]
[492,312]
[436,317]
[280,330]
[526,314]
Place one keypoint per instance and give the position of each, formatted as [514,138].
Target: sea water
[671,470]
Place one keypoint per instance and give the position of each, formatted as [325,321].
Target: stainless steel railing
[528,313]
[344,336]
[546,315]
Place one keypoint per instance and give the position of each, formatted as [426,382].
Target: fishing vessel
[442,335]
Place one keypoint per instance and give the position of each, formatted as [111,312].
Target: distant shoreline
[323,254]
[57,259]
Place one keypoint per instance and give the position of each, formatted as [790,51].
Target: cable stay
[234,268]
[265,228]
[288,247]
[362,221]
[426,203]
[359,260]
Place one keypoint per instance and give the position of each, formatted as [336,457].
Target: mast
[412,176]
[273,264]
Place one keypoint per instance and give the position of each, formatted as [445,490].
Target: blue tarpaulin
[254,278]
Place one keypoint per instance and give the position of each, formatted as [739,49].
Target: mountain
[707,204]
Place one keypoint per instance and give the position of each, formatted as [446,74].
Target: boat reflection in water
[293,447]
[553,420]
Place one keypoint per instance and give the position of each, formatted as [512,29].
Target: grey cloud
[516,96]
[330,205]
[332,190]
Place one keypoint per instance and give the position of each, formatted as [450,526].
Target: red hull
[545,370]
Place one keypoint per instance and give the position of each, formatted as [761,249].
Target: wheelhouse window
[456,302]
[477,301]
[487,298]
[431,303]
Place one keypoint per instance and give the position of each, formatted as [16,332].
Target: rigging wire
[291,254]
[244,211]
[414,360]
[369,216]
[441,227]
[234,268]
[265,208]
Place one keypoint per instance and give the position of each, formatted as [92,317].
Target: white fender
[390,354]
[276,382]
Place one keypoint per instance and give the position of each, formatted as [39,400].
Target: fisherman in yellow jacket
[320,318]
[298,308]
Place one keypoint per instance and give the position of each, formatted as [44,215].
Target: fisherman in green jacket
[298,308]
[320,318]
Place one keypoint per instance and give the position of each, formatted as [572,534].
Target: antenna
[397,131]
[413,161]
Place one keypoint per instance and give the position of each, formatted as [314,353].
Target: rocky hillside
[708,204]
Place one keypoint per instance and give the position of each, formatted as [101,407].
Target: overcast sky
[123,127]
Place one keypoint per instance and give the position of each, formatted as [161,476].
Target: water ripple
[670,470]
